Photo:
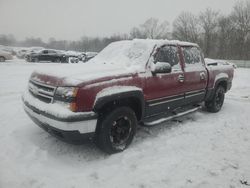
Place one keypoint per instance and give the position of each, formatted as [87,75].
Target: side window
[168,54]
[192,56]
[51,52]
[45,51]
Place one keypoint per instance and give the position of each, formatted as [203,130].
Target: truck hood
[80,74]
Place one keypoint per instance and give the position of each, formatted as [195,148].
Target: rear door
[44,55]
[165,92]
[195,75]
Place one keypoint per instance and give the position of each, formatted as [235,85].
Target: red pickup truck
[129,83]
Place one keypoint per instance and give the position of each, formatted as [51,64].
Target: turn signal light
[73,107]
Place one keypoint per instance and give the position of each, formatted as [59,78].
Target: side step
[161,120]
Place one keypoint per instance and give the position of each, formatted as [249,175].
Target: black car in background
[46,55]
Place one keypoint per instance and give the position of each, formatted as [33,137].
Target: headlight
[67,95]
[66,92]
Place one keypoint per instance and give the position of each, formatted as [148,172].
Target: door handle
[181,78]
[202,76]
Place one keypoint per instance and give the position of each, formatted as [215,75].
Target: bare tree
[185,27]
[31,41]
[155,30]
[7,40]
[137,33]
[209,23]
[225,38]
[241,19]
[151,29]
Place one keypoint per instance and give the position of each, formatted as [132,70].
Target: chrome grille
[42,91]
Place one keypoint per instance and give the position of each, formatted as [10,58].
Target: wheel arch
[133,99]
[223,83]
[3,57]
[219,82]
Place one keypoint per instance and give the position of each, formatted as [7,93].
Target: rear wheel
[2,59]
[116,130]
[216,103]
[57,60]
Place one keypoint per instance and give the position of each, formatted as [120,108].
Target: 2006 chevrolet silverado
[129,83]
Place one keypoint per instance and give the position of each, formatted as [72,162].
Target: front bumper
[72,129]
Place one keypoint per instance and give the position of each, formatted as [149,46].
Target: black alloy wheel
[120,132]
[116,129]
[215,104]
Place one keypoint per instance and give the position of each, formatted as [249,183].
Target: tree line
[219,36]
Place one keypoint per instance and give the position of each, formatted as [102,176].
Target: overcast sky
[72,19]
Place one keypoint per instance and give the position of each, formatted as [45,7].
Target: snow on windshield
[126,53]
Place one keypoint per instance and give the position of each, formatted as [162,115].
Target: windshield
[126,53]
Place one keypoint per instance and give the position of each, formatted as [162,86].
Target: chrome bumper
[83,122]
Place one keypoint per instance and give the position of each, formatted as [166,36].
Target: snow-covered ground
[200,150]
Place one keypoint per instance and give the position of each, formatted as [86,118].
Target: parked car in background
[4,55]
[128,83]
[21,53]
[76,57]
[72,56]
[35,49]
[84,57]
[72,53]
[32,50]
[8,49]
[47,55]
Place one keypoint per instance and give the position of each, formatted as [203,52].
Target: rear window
[192,56]
[52,51]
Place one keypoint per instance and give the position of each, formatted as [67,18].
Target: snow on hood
[75,74]
[118,58]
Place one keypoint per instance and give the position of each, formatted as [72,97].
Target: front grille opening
[42,91]
[41,98]
[43,87]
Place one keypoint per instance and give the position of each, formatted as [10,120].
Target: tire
[57,60]
[216,103]
[27,58]
[116,130]
[2,59]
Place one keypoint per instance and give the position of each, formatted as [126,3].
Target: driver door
[165,92]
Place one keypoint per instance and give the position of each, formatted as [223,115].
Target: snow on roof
[131,52]
[161,42]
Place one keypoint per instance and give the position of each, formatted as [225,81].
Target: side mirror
[161,68]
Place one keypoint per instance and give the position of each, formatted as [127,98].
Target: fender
[222,77]
[120,93]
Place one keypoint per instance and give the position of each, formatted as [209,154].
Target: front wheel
[116,130]
[216,103]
